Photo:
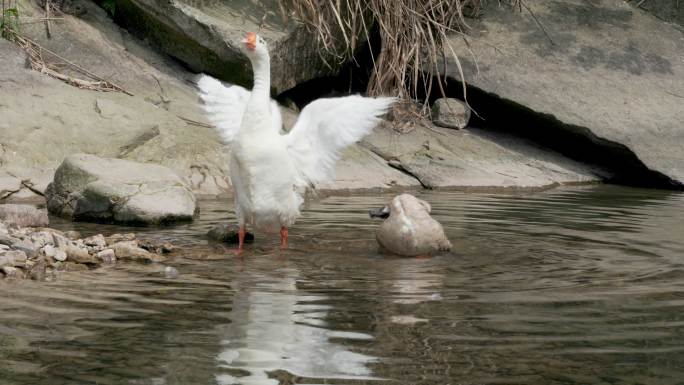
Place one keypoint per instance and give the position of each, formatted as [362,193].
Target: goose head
[255,47]
[408,228]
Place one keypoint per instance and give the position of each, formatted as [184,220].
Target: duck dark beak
[382,212]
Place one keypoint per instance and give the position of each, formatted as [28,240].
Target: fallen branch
[38,63]
[195,123]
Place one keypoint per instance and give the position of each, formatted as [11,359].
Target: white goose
[267,169]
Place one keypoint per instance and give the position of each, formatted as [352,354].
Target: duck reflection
[276,327]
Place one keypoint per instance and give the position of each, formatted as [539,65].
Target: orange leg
[283,237]
[241,239]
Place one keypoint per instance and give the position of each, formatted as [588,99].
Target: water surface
[577,285]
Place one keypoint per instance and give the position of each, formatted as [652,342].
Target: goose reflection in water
[277,327]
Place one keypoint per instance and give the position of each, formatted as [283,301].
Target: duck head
[408,228]
[254,46]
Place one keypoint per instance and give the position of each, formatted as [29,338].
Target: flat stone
[23,215]
[228,233]
[475,158]
[61,241]
[450,113]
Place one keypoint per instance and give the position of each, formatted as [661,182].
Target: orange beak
[250,40]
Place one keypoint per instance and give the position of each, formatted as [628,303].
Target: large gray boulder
[87,187]
[205,35]
[607,78]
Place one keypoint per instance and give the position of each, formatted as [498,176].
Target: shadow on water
[575,286]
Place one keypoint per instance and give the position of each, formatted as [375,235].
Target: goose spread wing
[325,127]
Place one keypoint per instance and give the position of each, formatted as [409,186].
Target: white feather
[325,127]
[225,105]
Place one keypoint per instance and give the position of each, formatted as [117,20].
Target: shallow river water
[581,285]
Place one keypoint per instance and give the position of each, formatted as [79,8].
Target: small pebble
[107,256]
[49,250]
[60,255]
[171,272]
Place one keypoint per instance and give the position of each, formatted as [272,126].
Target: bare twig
[195,123]
[537,21]
[38,63]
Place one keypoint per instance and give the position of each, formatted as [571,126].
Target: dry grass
[413,34]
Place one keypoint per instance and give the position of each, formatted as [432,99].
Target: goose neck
[262,77]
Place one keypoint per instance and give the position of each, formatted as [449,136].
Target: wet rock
[616,101]
[60,255]
[450,113]
[38,271]
[87,187]
[228,233]
[106,257]
[156,247]
[49,251]
[61,241]
[26,246]
[13,258]
[96,241]
[42,238]
[11,272]
[129,250]
[73,266]
[7,240]
[78,255]
[23,215]
[114,238]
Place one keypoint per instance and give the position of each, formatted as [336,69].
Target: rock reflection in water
[275,327]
